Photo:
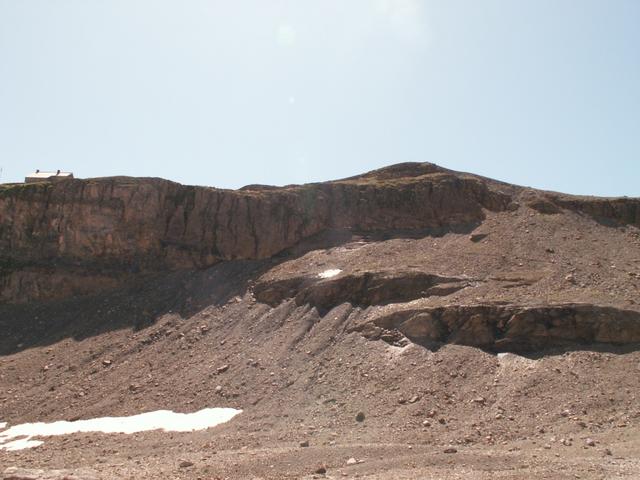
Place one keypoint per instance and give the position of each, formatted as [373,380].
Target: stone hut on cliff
[39,176]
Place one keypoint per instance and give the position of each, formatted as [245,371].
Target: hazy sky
[543,93]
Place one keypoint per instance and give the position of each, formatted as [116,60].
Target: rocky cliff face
[76,236]
[79,236]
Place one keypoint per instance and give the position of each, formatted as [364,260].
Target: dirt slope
[401,324]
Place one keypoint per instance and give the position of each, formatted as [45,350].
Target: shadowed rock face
[364,289]
[511,328]
[117,227]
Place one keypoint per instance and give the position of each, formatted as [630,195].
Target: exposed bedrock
[510,328]
[609,211]
[153,221]
[121,226]
[605,210]
[98,232]
[358,289]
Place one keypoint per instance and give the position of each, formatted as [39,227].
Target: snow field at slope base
[21,436]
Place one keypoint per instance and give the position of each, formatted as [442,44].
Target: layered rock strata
[509,328]
[113,228]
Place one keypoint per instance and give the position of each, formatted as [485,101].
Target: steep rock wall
[79,236]
[118,227]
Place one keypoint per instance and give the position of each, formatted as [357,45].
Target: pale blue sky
[543,93]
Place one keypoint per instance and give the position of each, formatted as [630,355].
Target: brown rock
[476,237]
[515,328]
[544,205]
[222,369]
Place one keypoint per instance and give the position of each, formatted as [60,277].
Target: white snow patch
[3,424]
[509,359]
[20,444]
[329,273]
[162,419]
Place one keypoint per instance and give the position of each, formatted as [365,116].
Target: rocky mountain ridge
[80,236]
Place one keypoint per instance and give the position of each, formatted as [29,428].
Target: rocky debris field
[503,344]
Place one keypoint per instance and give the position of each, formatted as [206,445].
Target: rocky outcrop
[510,328]
[99,232]
[358,289]
[118,227]
[609,211]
